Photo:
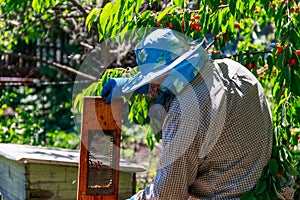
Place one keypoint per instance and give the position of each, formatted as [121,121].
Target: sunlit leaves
[91,17]
[40,5]
[164,12]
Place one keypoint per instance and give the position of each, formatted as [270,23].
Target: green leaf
[276,89]
[215,25]
[279,21]
[36,5]
[266,196]
[118,10]
[77,100]
[231,23]
[294,36]
[91,17]
[287,75]
[295,83]
[139,118]
[206,22]
[176,24]
[280,61]
[164,12]
[124,31]
[138,5]
[266,4]
[145,14]
[179,3]
[270,62]
[251,4]
[274,190]
[144,106]
[149,139]
[129,14]
[53,2]
[292,171]
[273,167]
[241,6]
[260,187]
[104,16]
[248,196]
[216,4]
[232,6]
[284,122]
[47,3]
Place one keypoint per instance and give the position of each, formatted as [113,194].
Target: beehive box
[30,172]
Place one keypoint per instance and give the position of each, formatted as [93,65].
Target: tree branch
[51,63]
[80,7]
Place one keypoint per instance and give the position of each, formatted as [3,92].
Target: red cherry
[298,52]
[255,11]
[158,23]
[297,11]
[278,53]
[292,10]
[280,48]
[197,27]
[278,175]
[193,19]
[182,24]
[237,25]
[197,17]
[272,4]
[170,25]
[250,65]
[217,37]
[292,62]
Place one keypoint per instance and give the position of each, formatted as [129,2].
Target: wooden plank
[71,174]
[54,186]
[125,185]
[46,173]
[48,181]
[12,181]
[98,116]
[58,182]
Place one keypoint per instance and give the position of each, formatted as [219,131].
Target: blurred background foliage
[262,35]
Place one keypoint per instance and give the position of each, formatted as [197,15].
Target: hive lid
[58,156]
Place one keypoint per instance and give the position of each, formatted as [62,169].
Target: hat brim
[139,79]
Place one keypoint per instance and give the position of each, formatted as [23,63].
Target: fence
[23,64]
